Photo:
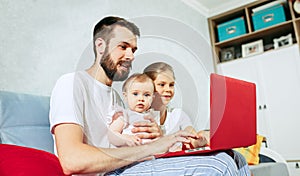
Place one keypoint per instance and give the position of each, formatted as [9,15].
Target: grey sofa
[24,122]
[26,145]
[271,164]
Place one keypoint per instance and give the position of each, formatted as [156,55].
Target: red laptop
[232,116]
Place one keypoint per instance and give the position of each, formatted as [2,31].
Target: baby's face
[164,85]
[139,96]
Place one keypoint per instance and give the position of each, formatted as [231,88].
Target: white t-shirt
[176,120]
[130,117]
[79,98]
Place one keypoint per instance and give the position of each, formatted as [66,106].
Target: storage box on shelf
[264,19]
[232,28]
[296,17]
[268,17]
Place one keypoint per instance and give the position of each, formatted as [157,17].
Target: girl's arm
[201,139]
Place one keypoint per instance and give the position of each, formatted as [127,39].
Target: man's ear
[100,45]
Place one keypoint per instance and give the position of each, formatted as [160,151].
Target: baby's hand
[132,140]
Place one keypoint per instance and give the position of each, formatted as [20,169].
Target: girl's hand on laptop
[200,140]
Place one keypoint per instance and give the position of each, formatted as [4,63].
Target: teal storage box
[268,17]
[232,28]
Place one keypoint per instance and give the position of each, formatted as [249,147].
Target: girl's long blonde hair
[156,68]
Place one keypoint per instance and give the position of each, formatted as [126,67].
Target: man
[80,112]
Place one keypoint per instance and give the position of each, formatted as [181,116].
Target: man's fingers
[144,127]
[143,124]
[151,128]
[184,134]
[150,118]
[141,129]
[148,135]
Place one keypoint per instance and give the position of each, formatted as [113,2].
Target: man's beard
[110,68]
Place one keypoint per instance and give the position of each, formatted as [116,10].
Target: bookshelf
[290,26]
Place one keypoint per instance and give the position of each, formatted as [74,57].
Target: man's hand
[163,144]
[146,129]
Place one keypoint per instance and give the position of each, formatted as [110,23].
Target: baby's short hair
[136,77]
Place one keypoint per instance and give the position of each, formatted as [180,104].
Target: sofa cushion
[251,153]
[24,161]
[24,120]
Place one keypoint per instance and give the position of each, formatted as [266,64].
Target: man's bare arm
[78,158]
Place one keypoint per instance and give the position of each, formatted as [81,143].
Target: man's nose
[129,54]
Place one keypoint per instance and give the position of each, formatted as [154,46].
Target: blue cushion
[24,120]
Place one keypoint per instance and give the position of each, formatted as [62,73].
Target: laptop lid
[232,112]
[232,116]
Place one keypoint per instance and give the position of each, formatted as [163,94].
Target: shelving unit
[275,73]
[291,25]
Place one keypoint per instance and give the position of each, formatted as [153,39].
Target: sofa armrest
[272,154]
[271,163]
[24,161]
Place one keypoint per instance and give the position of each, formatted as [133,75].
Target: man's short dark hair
[103,29]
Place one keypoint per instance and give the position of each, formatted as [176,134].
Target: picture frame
[283,41]
[227,54]
[252,48]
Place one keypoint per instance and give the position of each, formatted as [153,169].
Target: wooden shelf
[297,19]
[290,26]
[279,28]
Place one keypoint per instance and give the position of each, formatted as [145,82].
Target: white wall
[41,40]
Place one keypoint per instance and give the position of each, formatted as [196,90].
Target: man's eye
[123,46]
[172,85]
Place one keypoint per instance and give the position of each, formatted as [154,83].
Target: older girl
[171,119]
